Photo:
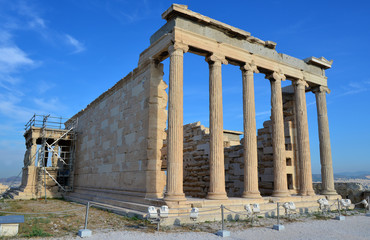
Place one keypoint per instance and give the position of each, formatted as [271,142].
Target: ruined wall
[351,190]
[265,153]
[196,157]
[119,137]
[196,161]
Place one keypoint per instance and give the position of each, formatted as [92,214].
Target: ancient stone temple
[125,156]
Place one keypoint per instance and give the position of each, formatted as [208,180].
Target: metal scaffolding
[52,134]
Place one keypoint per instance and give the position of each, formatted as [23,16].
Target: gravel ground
[354,227]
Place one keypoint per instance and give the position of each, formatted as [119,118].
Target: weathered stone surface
[347,190]
[265,151]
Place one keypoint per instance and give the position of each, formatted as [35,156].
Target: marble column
[303,141]
[324,137]
[278,139]
[216,144]
[250,138]
[175,138]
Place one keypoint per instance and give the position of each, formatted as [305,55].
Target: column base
[281,194]
[217,196]
[329,192]
[251,195]
[307,193]
[175,197]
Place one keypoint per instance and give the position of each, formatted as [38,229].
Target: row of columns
[216,158]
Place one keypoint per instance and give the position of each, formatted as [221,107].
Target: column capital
[300,82]
[178,46]
[250,67]
[216,58]
[320,89]
[276,76]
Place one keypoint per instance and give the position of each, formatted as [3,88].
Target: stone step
[124,197]
[138,206]
[119,207]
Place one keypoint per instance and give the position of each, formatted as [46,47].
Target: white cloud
[5,37]
[37,22]
[79,47]
[10,107]
[12,58]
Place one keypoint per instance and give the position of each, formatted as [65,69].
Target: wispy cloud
[354,88]
[77,45]
[48,105]
[10,106]
[37,22]
[264,113]
[129,13]
[12,58]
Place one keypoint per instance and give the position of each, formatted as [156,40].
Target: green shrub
[37,232]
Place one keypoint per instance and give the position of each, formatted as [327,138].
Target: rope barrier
[241,213]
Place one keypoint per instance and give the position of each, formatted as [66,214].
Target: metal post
[223,232]
[85,232]
[339,217]
[339,207]
[45,182]
[278,226]
[222,216]
[278,214]
[87,214]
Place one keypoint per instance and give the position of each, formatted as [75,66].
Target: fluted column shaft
[278,139]
[250,138]
[324,137]
[216,145]
[175,139]
[303,139]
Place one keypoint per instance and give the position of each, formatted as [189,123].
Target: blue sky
[58,56]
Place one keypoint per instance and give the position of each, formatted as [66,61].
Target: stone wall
[196,161]
[119,137]
[265,154]
[52,189]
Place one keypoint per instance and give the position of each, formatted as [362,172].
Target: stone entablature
[238,46]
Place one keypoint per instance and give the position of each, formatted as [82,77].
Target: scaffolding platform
[49,158]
